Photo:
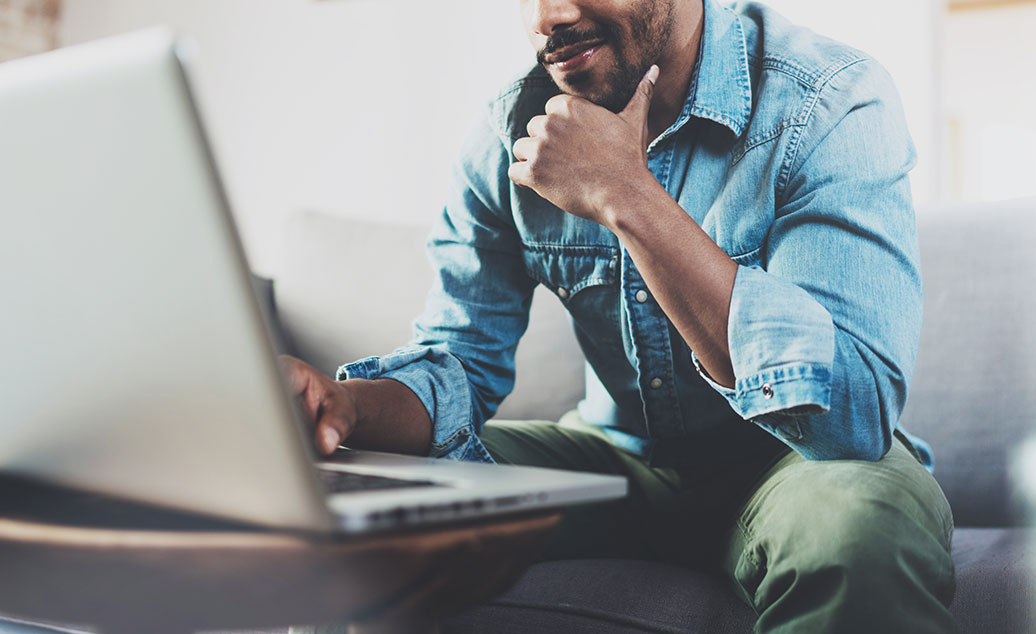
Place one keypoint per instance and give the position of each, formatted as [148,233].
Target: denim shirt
[792,153]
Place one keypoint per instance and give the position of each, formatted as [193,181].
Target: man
[720,199]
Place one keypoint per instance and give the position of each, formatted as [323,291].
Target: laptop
[136,360]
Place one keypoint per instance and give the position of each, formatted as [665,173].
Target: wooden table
[123,570]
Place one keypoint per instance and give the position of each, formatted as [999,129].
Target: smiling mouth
[567,53]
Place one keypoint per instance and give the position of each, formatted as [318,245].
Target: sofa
[350,288]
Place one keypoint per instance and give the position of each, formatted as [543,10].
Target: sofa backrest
[973,396]
[351,289]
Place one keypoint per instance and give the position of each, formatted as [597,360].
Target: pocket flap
[568,269]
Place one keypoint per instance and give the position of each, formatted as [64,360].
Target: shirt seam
[562,248]
[808,79]
[812,99]
[479,247]
[762,138]
[790,373]
[746,256]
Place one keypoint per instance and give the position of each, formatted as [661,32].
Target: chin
[581,85]
[585,85]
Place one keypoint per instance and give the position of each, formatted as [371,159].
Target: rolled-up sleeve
[460,362]
[823,333]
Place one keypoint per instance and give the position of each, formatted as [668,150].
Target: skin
[588,156]
[592,163]
[379,414]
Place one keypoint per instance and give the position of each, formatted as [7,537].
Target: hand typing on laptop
[158,272]
[379,414]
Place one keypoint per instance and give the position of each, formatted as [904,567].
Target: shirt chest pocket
[576,274]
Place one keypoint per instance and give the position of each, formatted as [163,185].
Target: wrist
[355,401]
[388,416]
[622,207]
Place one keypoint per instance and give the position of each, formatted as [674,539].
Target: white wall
[990,97]
[350,107]
[904,36]
[356,107]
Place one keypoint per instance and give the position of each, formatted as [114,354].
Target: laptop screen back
[135,359]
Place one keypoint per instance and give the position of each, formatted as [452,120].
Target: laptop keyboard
[346,481]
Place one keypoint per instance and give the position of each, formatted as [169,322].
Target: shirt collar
[721,86]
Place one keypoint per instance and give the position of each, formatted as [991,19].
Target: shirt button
[767,391]
[641,296]
[563,293]
[655,383]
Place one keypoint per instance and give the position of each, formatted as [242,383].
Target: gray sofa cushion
[973,396]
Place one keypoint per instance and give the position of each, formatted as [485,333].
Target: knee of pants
[855,533]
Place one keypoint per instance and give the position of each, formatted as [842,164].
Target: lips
[567,55]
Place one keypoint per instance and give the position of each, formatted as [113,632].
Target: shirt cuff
[781,348]
[434,376]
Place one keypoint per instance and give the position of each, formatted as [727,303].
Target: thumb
[636,110]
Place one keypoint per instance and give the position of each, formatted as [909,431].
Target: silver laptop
[136,361]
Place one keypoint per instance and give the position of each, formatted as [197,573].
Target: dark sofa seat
[607,596]
[610,596]
[996,589]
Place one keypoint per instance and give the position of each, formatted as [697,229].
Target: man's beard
[650,31]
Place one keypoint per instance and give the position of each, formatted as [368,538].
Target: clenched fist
[583,157]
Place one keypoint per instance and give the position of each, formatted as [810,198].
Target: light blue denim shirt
[792,153]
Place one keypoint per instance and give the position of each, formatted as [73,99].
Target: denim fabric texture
[792,153]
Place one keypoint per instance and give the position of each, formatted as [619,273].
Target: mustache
[570,36]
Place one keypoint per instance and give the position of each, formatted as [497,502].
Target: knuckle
[516,172]
[561,104]
[530,148]
[534,149]
[533,169]
[535,124]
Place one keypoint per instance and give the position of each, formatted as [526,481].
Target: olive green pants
[837,546]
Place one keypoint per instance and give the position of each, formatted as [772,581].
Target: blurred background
[358,107]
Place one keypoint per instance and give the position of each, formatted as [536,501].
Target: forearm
[593,164]
[389,417]
[689,276]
